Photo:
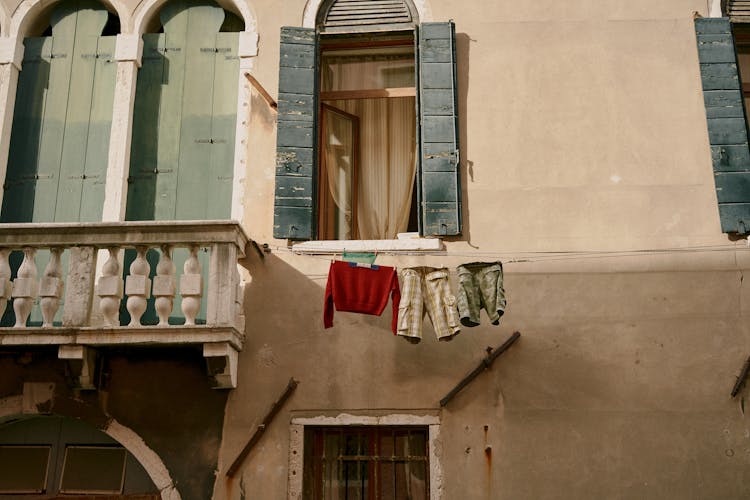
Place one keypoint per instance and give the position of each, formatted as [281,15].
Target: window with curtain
[367,131]
[368,138]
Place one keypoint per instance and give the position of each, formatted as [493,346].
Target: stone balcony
[88,286]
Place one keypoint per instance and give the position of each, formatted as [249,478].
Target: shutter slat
[295,138]
[725,118]
[359,14]
[439,175]
[739,10]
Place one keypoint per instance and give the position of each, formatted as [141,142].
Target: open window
[394,82]
[368,143]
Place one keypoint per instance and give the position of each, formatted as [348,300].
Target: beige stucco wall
[583,130]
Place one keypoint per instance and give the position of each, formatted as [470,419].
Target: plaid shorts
[480,286]
[427,288]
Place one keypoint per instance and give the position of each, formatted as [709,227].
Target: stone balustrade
[60,296]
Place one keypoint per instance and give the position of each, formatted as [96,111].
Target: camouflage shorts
[480,286]
[427,289]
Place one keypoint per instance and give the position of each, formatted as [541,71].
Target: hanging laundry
[480,286]
[427,289]
[362,289]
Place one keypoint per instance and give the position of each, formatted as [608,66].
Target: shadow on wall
[463,48]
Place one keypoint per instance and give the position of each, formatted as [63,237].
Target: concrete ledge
[109,234]
[122,336]
[391,246]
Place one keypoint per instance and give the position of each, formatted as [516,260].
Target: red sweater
[361,290]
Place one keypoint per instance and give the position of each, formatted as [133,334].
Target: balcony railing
[157,283]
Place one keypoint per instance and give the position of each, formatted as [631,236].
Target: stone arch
[150,8]
[38,396]
[29,11]
[310,13]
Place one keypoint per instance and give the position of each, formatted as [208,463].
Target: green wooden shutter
[296,148]
[60,137]
[23,158]
[182,157]
[727,128]
[223,125]
[439,176]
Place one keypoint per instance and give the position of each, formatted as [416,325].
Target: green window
[60,135]
[184,123]
[341,171]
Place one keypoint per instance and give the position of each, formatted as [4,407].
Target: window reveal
[367,180]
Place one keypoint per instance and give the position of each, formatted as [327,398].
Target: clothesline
[510,257]
[515,257]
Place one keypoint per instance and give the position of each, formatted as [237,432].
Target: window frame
[438,175]
[336,419]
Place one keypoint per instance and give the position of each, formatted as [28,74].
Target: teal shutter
[60,137]
[185,119]
[296,148]
[182,155]
[727,128]
[439,175]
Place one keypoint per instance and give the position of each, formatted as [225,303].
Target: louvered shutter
[366,15]
[727,129]
[439,175]
[738,11]
[294,207]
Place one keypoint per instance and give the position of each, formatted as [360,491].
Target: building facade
[181,177]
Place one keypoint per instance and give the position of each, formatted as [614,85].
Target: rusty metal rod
[262,91]
[741,378]
[483,365]
[262,427]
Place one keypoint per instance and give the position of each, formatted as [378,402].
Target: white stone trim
[714,8]
[39,393]
[8,86]
[11,51]
[28,9]
[146,10]
[150,461]
[311,12]
[297,440]
[129,47]
[4,20]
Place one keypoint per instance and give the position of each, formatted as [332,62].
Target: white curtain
[387,146]
[338,163]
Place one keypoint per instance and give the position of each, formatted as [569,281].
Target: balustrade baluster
[25,287]
[51,288]
[109,289]
[164,285]
[5,287]
[138,286]
[191,287]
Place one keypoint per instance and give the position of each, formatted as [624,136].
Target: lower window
[366,463]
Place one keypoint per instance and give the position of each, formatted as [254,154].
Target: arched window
[367,142]
[182,155]
[60,136]
[53,455]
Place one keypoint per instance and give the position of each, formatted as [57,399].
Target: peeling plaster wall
[582,130]
[143,393]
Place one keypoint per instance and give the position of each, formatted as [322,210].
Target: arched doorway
[50,456]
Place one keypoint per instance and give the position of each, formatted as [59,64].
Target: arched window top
[335,16]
